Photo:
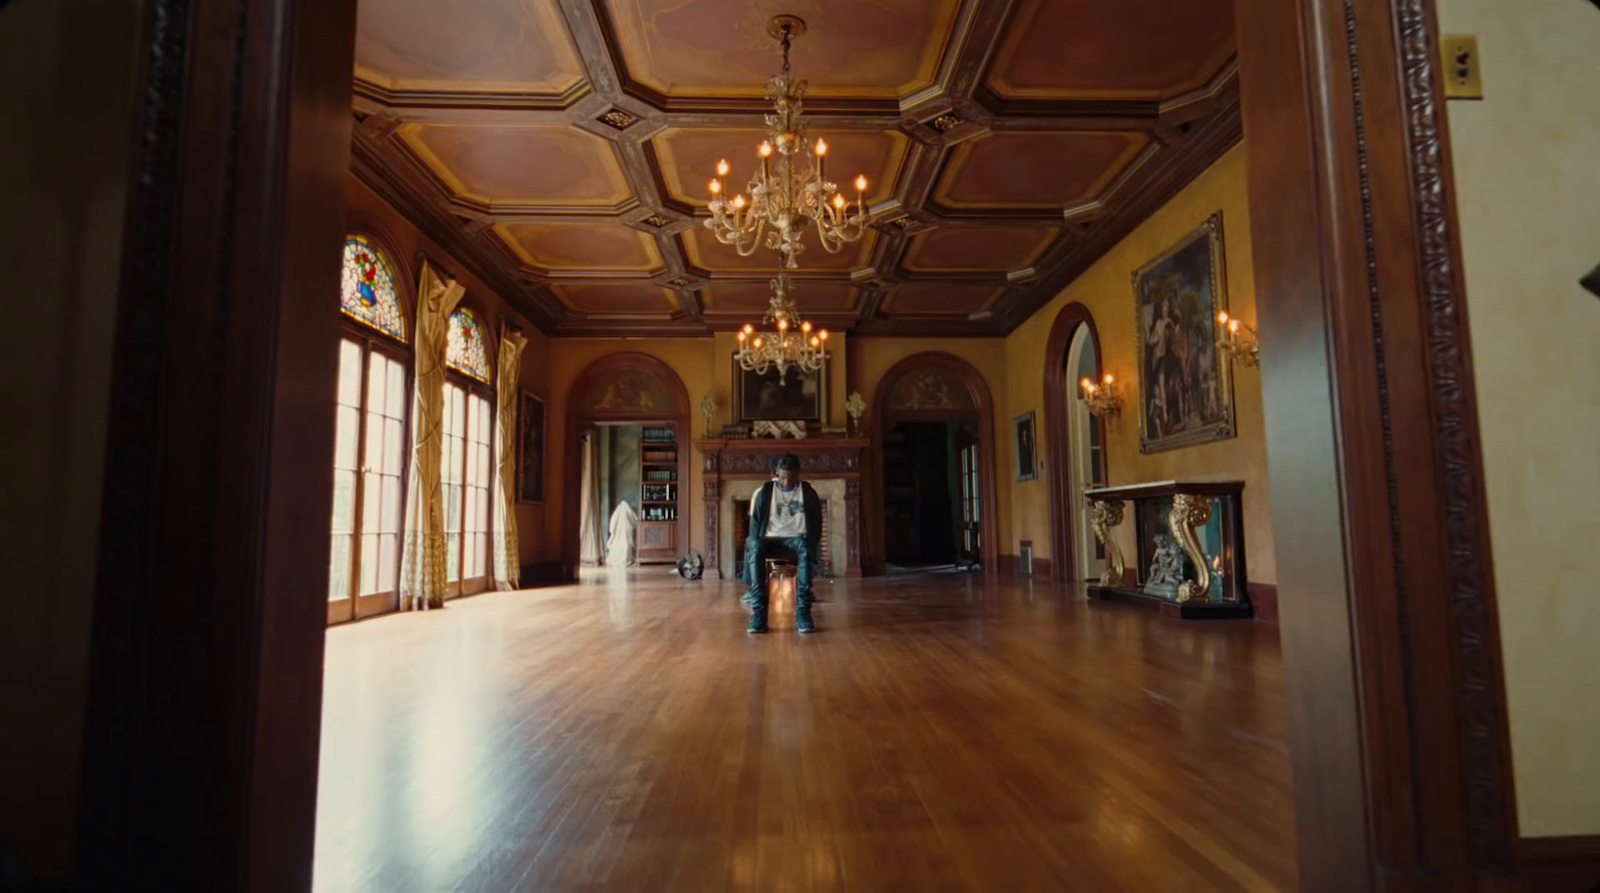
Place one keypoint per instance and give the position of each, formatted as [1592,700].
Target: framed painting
[1185,389]
[764,397]
[530,448]
[1027,446]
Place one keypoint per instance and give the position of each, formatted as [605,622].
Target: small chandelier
[792,346]
[789,192]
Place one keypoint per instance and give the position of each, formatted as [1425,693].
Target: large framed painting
[1027,450]
[530,448]
[763,396]
[1185,389]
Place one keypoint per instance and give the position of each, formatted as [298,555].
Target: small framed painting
[530,448]
[1027,449]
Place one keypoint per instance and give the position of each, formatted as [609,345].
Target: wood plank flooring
[936,735]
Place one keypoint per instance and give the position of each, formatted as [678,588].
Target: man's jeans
[755,569]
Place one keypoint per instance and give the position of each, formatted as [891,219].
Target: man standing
[784,513]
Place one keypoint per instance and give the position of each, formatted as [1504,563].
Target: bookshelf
[658,494]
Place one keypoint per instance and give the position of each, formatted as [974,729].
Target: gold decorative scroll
[1188,512]
[1106,514]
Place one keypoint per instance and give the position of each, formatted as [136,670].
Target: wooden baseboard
[1011,566]
[542,573]
[1560,864]
[1264,598]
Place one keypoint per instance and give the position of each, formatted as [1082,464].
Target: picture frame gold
[1185,384]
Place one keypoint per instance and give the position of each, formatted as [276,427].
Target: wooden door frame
[1057,444]
[203,715]
[580,418]
[1397,721]
[882,420]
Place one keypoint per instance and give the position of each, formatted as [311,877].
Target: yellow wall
[1527,185]
[1107,290]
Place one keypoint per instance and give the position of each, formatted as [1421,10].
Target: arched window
[366,288]
[466,353]
[370,446]
[467,467]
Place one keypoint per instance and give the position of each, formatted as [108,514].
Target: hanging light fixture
[790,191]
[794,344]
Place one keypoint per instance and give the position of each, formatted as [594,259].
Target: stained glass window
[366,288]
[466,352]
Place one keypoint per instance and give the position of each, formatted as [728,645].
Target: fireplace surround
[734,469]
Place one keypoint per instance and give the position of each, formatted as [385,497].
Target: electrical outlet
[1463,77]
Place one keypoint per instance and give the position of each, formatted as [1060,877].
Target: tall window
[369,447]
[467,471]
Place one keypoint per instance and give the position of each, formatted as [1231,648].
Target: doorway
[1086,462]
[631,480]
[931,496]
[1323,213]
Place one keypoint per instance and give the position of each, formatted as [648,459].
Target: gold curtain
[507,561]
[422,561]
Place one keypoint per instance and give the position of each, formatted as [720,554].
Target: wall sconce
[708,408]
[1102,398]
[1238,341]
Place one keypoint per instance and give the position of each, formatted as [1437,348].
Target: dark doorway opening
[931,496]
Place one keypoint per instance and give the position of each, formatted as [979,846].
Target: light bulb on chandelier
[793,194]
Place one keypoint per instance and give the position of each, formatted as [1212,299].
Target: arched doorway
[633,389]
[936,394]
[1073,352]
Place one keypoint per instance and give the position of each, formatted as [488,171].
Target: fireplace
[735,469]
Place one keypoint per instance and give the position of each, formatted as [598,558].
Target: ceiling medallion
[790,347]
[618,118]
[790,192]
[946,123]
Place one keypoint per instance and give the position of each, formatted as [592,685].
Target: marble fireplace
[733,471]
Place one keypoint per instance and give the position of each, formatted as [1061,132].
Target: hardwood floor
[936,735]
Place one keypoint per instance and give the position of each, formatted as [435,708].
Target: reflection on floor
[624,734]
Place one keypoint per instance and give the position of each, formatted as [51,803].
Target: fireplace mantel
[821,458]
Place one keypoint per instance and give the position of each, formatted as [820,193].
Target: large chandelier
[789,192]
[793,346]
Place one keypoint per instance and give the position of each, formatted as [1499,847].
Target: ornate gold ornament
[1189,511]
[1105,514]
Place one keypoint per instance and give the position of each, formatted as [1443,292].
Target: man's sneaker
[802,621]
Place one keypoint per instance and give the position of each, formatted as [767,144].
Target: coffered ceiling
[561,148]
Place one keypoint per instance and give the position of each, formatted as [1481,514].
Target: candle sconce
[1101,398]
[1238,341]
[855,407]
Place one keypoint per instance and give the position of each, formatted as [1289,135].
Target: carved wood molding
[1480,682]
